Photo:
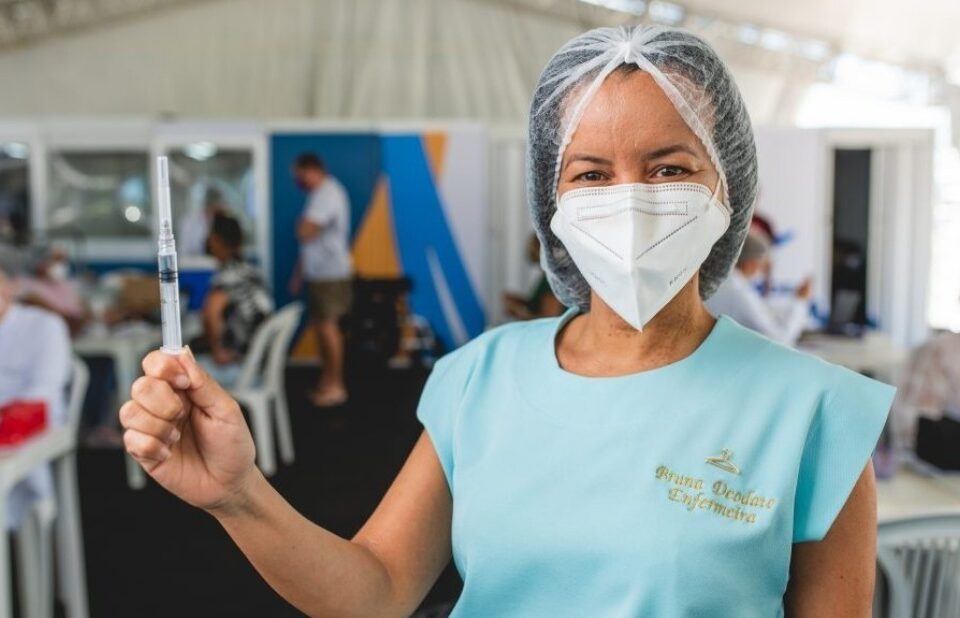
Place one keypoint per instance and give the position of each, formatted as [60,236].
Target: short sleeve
[322,207]
[219,279]
[841,440]
[440,403]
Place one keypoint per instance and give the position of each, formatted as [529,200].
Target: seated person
[739,296]
[195,226]
[35,365]
[48,285]
[929,385]
[236,304]
[540,302]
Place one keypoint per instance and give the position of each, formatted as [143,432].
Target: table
[57,446]
[874,353]
[910,493]
[126,349]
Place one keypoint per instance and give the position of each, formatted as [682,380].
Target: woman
[237,303]
[634,457]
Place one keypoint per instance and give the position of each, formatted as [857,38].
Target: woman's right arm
[194,442]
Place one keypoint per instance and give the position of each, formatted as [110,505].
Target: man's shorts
[329,300]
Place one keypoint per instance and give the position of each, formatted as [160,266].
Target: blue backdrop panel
[421,229]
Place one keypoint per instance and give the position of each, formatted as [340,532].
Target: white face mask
[58,271]
[637,245]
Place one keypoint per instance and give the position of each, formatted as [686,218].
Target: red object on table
[21,419]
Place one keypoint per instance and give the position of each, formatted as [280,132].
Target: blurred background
[415,111]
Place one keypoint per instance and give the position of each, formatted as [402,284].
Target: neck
[601,343]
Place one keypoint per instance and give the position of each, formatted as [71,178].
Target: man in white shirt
[325,267]
[738,296]
[34,366]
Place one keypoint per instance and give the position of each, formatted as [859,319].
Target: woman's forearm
[319,572]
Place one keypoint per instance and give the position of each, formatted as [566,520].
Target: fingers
[157,397]
[135,417]
[204,391]
[165,367]
[147,450]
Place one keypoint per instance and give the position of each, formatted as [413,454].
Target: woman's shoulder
[779,363]
[503,339]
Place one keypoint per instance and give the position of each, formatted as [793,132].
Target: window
[204,178]
[102,194]
[14,191]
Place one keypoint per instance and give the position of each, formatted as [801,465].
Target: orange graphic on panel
[375,246]
[435,147]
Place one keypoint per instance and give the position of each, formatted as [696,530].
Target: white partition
[78,138]
[28,135]
[510,223]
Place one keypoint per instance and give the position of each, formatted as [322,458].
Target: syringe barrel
[170,302]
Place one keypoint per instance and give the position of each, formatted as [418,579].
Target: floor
[150,555]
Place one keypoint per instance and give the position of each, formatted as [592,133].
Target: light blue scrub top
[577,496]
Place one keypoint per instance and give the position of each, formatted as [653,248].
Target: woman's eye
[669,171]
[590,177]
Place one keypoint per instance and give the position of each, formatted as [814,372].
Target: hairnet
[755,247]
[703,92]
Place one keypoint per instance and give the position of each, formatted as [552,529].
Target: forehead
[631,111]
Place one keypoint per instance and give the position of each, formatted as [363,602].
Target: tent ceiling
[919,32]
[24,21]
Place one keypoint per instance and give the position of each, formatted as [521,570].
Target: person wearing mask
[49,286]
[35,362]
[739,296]
[635,456]
[324,266]
[195,226]
[540,302]
[236,304]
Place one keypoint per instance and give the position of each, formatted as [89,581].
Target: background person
[237,303]
[195,226]
[49,285]
[540,302]
[35,362]
[739,296]
[324,265]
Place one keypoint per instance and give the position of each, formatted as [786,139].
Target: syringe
[167,266]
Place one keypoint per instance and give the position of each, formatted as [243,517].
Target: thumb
[204,390]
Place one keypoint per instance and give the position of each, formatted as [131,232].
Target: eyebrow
[659,153]
[588,158]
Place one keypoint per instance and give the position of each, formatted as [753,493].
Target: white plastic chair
[919,559]
[261,390]
[34,539]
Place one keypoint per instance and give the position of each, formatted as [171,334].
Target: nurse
[634,457]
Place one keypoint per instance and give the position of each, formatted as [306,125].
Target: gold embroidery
[666,474]
[747,499]
[727,502]
[723,462]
